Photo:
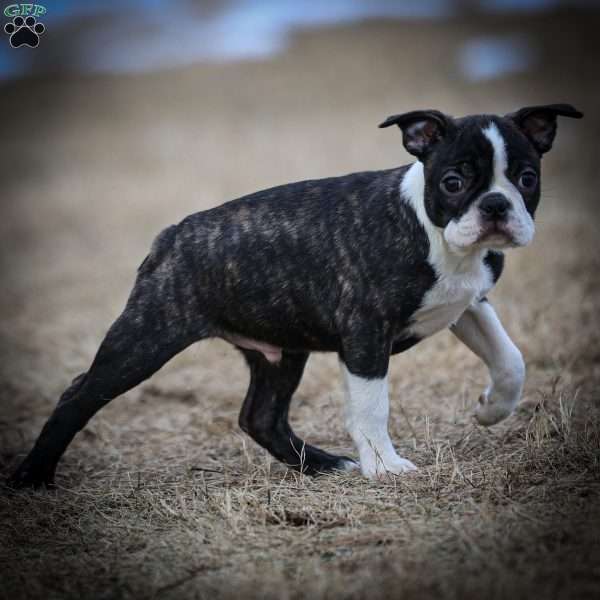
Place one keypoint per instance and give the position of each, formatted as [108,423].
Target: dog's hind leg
[154,326]
[264,414]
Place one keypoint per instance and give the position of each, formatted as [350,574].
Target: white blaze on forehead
[492,133]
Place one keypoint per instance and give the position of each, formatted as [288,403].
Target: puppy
[365,265]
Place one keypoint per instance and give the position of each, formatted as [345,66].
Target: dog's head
[482,173]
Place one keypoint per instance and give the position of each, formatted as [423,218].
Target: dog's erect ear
[538,123]
[421,129]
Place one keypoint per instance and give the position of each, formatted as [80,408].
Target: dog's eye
[452,184]
[528,180]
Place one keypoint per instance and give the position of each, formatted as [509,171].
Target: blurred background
[130,115]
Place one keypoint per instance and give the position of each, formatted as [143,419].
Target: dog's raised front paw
[490,411]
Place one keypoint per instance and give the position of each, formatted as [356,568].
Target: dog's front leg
[367,411]
[480,329]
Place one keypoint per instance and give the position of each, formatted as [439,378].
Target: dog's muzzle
[495,213]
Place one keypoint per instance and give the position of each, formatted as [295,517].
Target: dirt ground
[162,495]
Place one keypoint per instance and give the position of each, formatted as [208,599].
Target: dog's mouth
[496,234]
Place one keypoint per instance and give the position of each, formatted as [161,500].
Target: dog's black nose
[494,207]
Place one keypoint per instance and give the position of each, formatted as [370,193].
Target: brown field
[162,496]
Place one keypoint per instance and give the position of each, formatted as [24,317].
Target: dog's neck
[445,258]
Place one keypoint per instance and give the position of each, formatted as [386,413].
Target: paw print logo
[24,32]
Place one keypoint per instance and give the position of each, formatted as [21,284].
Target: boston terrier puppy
[365,265]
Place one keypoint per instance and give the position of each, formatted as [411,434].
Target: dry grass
[161,495]
[508,512]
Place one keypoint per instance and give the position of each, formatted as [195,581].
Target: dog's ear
[538,123]
[421,129]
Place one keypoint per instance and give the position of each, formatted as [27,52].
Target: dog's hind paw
[30,476]
[348,464]
[339,464]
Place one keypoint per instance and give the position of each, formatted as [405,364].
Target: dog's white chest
[446,301]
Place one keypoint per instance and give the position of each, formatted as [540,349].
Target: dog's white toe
[379,469]
[349,465]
